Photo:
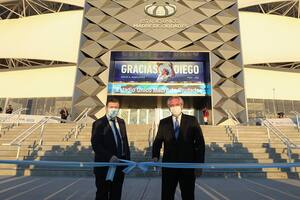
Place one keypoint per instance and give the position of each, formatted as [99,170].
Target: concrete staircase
[252,147]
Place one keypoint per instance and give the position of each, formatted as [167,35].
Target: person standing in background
[64,114]
[205,115]
[9,110]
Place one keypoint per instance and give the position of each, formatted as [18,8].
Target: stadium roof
[79,3]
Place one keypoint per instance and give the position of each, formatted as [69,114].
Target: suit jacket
[190,145]
[103,141]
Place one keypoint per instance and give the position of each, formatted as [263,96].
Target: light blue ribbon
[144,166]
[111,171]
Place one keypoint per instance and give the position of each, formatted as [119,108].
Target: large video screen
[158,71]
[159,78]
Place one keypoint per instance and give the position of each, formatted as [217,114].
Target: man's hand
[114,159]
[155,159]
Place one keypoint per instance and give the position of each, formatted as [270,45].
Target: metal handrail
[81,114]
[297,118]
[279,134]
[10,116]
[231,135]
[28,132]
[232,116]
[152,133]
[80,123]
[14,113]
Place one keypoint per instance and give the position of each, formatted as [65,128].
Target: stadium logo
[160,8]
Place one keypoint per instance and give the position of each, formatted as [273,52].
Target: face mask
[112,112]
[176,110]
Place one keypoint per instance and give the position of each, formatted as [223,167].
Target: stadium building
[235,58]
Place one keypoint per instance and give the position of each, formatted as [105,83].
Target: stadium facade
[240,57]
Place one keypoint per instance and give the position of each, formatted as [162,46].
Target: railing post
[227,132]
[86,118]
[41,135]
[269,137]
[289,152]
[76,130]
[18,152]
[297,119]
[18,119]
[237,134]
[298,125]
[150,134]
[284,139]
[155,131]
[80,122]
[230,134]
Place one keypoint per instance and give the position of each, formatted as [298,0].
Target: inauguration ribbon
[144,166]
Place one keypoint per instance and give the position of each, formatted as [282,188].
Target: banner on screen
[158,71]
[200,89]
[158,78]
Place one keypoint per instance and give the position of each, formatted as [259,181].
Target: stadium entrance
[149,110]
[144,80]
[148,46]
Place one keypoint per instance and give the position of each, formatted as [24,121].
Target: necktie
[177,128]
[119,140]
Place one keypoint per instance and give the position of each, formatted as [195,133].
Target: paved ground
[35,188]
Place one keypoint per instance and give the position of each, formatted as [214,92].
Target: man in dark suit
[183,142]
[110,143]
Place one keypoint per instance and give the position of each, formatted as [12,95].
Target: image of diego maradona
[165,72]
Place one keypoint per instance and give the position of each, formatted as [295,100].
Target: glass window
[133,116]
[40,106]
[143,116]
[270,108]
[151,116]
[29,106]
[2,104]
[256,109]
[279,106]
[297,106]
[15,103]
[124,114]
[34,107]
[50,107]
[288,107]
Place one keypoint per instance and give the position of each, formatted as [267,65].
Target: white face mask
[176,110]
[112,112]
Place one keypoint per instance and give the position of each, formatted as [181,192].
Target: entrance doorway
[150,110]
